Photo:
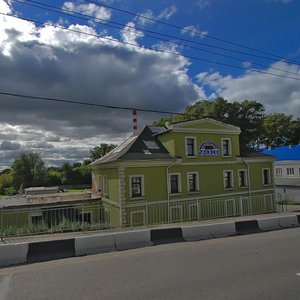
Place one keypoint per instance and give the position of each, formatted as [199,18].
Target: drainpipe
[249,181]
[168,187]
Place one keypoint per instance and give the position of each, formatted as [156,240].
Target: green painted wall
[155,182]
[211,180]
[113,182]
[179,148]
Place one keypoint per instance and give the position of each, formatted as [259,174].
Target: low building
[186,171]
[48,213]
[286,171]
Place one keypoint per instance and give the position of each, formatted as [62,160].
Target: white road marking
[4,287]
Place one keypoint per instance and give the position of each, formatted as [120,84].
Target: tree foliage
[99,151]
[28,169]
[248,115]
[257,128]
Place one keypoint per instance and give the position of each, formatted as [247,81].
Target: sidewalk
[289,210]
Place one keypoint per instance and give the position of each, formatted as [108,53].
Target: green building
[183,172]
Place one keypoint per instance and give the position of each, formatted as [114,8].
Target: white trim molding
[142,186]
[231,179]
[194,149]
[196,182]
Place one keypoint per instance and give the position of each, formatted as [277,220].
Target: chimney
[134,121]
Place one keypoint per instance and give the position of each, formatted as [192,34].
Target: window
[193,182]
[278,171]
[243,180]
[136,186]
[226,147]
[190,146]
[266,176]
[175,187]
[228,179]
[290,171]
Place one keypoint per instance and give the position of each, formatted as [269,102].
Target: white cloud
[277,94]
[193,30]
[130,35]
[54,62]
[167,13]
[90,9]
[148,16]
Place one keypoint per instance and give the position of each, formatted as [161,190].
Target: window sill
[175,194]
[193,192]
[229,188]
[243,187]
[137,198]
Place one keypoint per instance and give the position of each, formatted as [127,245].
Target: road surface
[258,266]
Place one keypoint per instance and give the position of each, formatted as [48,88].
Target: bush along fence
[98,214]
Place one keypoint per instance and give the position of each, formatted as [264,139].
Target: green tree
[28,169]
[52,178]
[66,173]
[248,115]
[278,129]
[99,151]
[6,184]
[295,134]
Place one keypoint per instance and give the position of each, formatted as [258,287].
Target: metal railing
[97,214]
[152,213]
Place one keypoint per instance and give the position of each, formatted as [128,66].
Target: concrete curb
[269,224]
[247,227]
[12,254]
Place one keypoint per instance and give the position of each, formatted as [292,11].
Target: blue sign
[209,148]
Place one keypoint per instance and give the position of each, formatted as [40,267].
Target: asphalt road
[258,266]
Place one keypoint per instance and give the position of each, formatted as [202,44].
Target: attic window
[151,145]
[147,152]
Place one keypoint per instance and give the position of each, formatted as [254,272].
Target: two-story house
[186,171]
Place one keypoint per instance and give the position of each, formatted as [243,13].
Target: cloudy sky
[157,55]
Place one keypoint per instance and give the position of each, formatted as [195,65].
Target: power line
[32,97]
[86,17]
[152,48]
[105,23]
[188,30]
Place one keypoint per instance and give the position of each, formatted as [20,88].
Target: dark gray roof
[146,147]
[143,146]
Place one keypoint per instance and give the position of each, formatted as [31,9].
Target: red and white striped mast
[134,121]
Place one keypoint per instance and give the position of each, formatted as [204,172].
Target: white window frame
[179,183]
[288,173]
[186,147]
[142,187]
[246,178]
[229,147]
[232,180]
[263,176]
[278,171]
[197,181]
